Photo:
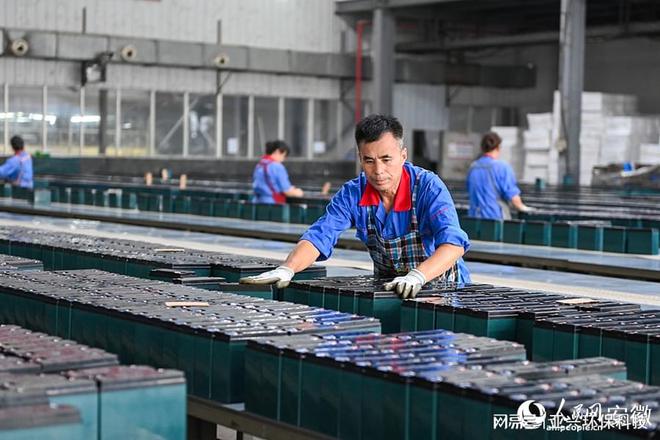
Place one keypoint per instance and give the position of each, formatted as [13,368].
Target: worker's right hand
[281,277]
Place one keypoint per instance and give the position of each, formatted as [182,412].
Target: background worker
[403,213]
[491,183]
[270,181]
[17,170]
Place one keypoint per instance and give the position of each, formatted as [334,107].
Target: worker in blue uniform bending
[17,170]
[270,181]
[404,214]
[491,183]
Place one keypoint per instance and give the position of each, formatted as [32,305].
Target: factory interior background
[310,219]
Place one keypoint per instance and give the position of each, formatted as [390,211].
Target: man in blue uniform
[270,181]
[403,213]
[17,170]
[491,183]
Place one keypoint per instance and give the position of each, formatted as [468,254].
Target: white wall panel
[306,25]
[420,106]
[38,72]
[53,15]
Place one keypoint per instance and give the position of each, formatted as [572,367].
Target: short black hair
[491,141]
[273,146]
[17,143]
[372,127]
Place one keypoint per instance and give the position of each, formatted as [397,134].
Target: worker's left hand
[407,286]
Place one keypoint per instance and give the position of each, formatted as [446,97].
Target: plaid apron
[398,256]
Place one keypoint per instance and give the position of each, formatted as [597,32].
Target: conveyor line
[352,262]
[566,260]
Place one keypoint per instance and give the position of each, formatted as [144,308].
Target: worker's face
[278,156]
[382,162]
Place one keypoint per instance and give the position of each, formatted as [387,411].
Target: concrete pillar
[186,124]
[103,122]
[280,117]
[309,150]
[81,131]
[571,83]
[250,130]
[5,121]
[382,57]
[44,122]
[218,124]
[117,121]
[152,123]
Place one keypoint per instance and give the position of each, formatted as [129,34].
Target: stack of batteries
[632,336]
[48,353]
[342,385]
[363,295]
[74,251]
[170,326]
[423,385]
[40,371]
[8,262]
[486,404]
[550,326]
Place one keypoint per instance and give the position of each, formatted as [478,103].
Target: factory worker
[491,183]
[17,170]
[270,181]
[404,214]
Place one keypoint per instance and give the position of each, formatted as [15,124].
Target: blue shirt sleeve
[339,216]
[507,183]
[279,177]
[9,169]
[438,213]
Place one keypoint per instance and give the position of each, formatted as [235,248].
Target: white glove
[528,209]
[280,277]
[407,286]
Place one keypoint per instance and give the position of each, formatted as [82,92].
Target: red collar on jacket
[402,198]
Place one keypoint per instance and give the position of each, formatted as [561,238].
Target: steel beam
[531,39]
[359,6]
[571,82]
[234,417]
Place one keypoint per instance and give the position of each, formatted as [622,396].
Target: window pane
[25,116]
[265,123]
[134,123]
[100,117]
[234,126]
[169,123]
[201,130]
[295,125]
[63,115]
[325,129]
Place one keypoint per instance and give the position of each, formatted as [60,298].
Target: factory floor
[349,262]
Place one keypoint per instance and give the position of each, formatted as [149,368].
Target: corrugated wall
[305,25]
